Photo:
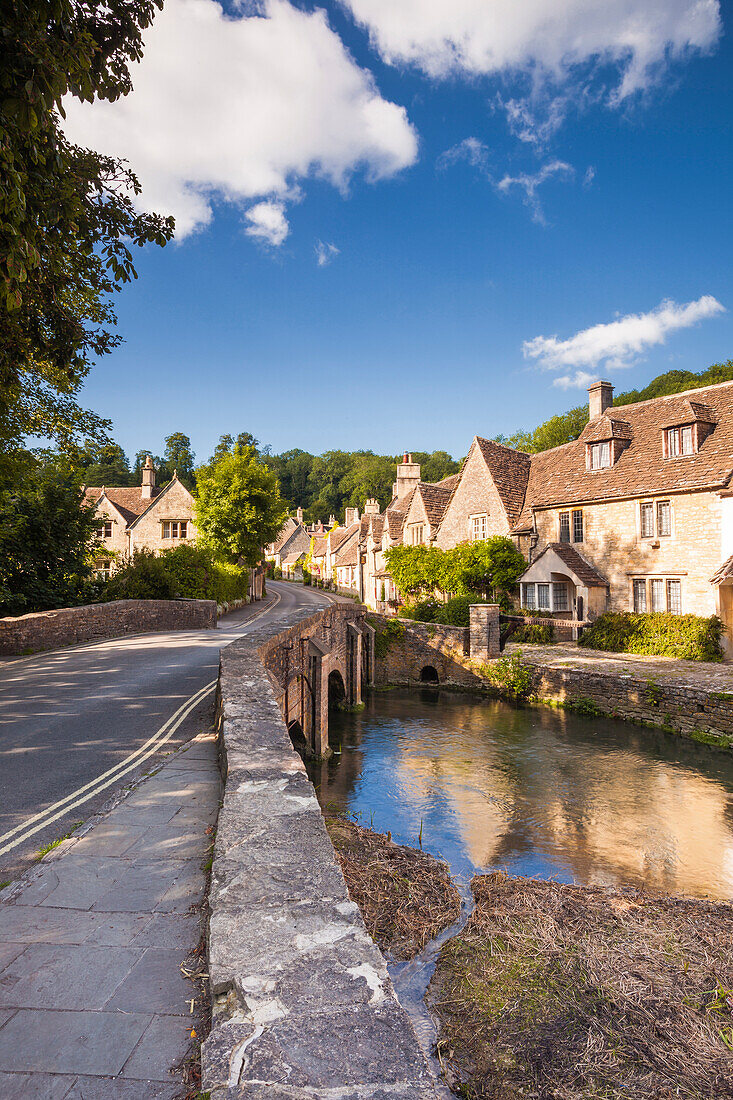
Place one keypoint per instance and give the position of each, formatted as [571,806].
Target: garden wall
[43,630]
[404,648]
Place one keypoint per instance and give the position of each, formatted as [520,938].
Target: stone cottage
[140,517]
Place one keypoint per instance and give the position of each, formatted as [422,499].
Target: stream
[535,792]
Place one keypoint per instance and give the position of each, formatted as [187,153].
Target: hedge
[534,633]
[186,571]
[656,634]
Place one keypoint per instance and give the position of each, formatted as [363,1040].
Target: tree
[46,536]
[436,465]
[489,568]
[417,570]
[238,506]
[370,475]
[67,213]
[103,463]
[179,456]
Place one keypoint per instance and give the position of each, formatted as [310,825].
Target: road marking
[89,790]
[42,819]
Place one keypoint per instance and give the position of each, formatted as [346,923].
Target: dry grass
[562,992]
[406,897]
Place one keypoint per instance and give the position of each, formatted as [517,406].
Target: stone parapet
[72,625]
[485,643]
[405,648]
[302,1002]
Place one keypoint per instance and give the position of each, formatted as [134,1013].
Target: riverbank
[406,897]
[555,991]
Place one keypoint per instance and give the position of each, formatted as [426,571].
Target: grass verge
[406,897]
[562,992]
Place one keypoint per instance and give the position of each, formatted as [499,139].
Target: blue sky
[434,319]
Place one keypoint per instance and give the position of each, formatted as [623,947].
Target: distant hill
[567,426]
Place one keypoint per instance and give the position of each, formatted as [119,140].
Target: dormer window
[680,441]
[600,455]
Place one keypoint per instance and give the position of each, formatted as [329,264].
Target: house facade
[644,499]
[141,517]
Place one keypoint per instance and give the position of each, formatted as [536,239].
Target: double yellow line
[64,806]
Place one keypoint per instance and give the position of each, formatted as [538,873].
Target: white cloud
[471,150]
[325,253]
[618,343]
[240,109]
[530,183]
[549,37]
[267,223]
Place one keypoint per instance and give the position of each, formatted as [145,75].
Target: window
[175,529]
[658,603]
[664,518]
[565,527]
[105,530]
[529,597]
[543,597]
[639,595]
[647,521]
[600,455]
[560,597]
[417,534]
[479,527]
[674,596]
[680,441]
[577,526]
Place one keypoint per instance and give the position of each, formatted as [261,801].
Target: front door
[726,614]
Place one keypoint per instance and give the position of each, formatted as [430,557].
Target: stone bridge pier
[323,661]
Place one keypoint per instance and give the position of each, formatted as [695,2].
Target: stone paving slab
[704,675]
[93,1005]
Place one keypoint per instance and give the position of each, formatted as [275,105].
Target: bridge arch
[429,675]
[336,688]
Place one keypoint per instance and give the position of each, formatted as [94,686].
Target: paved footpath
[93,1004]
[704,675]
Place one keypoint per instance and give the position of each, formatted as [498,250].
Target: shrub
[691,637]
[456,611]
[424,611]
[511,677]
[188,572]
[277,573]
[386,634]
[306,576]
[142,577]
[534,633]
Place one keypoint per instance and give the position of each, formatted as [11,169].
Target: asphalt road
[69,717]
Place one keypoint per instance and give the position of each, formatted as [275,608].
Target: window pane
[647,521]
[605,454]
[577,526]
[543,596]
[687,444]
[166,530]
[183,530]
[639,595]
[658,603]
[673,442]
[560,594]
[529,600]
[674,597]
[664,518]
[565,527]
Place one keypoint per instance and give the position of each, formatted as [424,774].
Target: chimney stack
[408,477]
[371,508]
[351,516]
[331,520]
[148,485]
[600,398]
[299,515]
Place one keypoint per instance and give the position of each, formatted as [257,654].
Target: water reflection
[537,792]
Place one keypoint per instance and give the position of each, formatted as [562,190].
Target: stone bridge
[319,662]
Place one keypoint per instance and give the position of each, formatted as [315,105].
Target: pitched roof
[319,546]
[349,555]
[129,501]
[509,470]
[288,530]
[435,497]
[396,514]
[586,573]
[339,534]
[560,476]
[725,571]
[607,427]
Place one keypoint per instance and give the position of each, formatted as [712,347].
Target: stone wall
[72,625]
[680,708]
[302,1002]
[407,647]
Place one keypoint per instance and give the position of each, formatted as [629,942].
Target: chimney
[408,476]
[148,484]
[331,520]
[600,398]
[351,516]
[299,515]
[371,508]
